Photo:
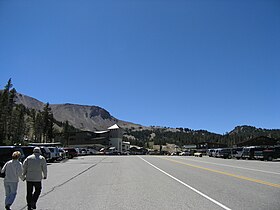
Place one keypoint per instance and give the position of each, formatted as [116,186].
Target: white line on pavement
[183,183]
[220,164]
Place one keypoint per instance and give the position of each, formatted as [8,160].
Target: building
[209,145]
[259,141]
[88,138]
[112,137]
[115,137]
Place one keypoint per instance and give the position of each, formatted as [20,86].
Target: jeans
[31,197]
[11,192]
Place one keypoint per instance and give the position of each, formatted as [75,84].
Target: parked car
[209,152]
[46,153]
[112,151]
[182,153]
[54,154]
[268,154]
[237,152]
[198,154]
[125,153]
[216,153]
[28,150]
[62,154]
[91,151]
[82,151]
[225,153]
[6,154]
[70,152]
[271,153]
[248,152]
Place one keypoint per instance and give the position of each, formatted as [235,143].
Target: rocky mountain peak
[83,117]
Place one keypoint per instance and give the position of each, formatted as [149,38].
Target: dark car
[28,150]
[237,152]
[225,153]
[70,152]
[268,153]
[6,154]
[249,152]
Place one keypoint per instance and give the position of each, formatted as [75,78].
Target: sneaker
[7,207]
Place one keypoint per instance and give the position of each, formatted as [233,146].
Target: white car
[54,154]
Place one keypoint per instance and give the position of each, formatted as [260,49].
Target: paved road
[157,182]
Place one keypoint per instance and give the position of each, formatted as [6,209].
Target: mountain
[249,130]
[92,118]
[83,117]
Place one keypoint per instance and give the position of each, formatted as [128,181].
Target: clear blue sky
[198,64]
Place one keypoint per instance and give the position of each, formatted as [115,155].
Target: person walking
[34,169]
[13,171]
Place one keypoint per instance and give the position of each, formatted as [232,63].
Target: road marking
[219,164]
[183,183]
[225,173]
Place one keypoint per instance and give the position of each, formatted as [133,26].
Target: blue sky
[198,64]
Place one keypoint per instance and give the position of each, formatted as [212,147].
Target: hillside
[91,118]
[83,117]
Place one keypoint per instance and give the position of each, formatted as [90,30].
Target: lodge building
[112,137]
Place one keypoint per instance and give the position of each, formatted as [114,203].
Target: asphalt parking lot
[157,182]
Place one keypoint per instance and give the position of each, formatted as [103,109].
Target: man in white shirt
[13,170]
[34,169]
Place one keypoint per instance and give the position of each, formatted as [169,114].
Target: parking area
[153,182]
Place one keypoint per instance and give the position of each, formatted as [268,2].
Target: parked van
[54,154]
[6,154]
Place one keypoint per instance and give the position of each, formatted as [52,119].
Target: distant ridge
[95,118]
[83,117]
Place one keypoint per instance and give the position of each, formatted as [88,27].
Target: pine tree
[48,123]
[50,128]
[6,108]
[65,131]
[38,127]
[18,125]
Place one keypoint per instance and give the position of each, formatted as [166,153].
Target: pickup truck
[268,154]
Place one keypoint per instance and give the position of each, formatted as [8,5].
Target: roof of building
[114,127]
[257,141]
[98,132]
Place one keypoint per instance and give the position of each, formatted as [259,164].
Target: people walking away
[34,170]
[13,171]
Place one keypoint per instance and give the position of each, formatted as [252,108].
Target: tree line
[19,125]
[185,136]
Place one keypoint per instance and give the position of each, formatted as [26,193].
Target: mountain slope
[83,117]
